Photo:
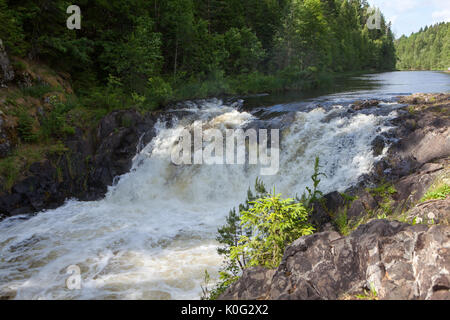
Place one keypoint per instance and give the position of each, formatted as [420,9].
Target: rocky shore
[395,243]
[92,161]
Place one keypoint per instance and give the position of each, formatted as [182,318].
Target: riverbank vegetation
[258,233]
[146,54]
[153,52]
[428,49]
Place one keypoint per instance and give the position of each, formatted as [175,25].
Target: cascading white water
[152,236]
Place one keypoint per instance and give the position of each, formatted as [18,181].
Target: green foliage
[159,90]
[53,123]
[195,48]
[274,223]
[314,194]
[371,294]
[428,49]
[438,193]
[342,223]
[244,49]
[11,32]
[384,193]
[258,234]
[25,127]
[37,91]
[9,171]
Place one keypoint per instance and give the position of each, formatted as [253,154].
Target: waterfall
[153,235]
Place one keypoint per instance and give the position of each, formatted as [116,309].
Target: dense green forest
[160,50]
[428,49]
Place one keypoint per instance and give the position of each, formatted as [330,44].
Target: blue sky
[409,16]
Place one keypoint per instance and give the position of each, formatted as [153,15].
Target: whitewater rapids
[153,235]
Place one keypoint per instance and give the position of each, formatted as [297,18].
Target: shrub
[258,234]
[438,193]
[25,128]
[274,223]
[37,91]
[54,124]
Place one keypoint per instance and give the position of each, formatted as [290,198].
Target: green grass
[437,193]
[38,91]
[342,223]
[18,162]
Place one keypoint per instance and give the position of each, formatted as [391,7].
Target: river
[153,235]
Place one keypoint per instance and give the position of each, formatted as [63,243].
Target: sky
[409,16]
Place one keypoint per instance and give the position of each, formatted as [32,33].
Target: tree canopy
[428,49]
[177,41]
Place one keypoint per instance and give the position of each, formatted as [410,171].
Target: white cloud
[441,16]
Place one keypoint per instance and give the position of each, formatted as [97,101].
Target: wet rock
[378,146]
[398,260]
[118,134]
[361,105]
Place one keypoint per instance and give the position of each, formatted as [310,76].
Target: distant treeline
[428,49]
[165,48]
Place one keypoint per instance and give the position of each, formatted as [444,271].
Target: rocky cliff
[400,244]
[37,175]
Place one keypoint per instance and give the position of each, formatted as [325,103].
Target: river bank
[53,147]
[393,242]
[139,242]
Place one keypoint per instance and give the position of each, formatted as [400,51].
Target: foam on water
[152,236]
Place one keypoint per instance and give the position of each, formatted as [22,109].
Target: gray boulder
[397,260]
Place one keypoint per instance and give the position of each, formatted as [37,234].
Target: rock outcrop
[382,259]
[396,260]
[85,170]
[6,70]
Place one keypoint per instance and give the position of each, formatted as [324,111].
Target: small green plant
[54,124]
[438,193]
[57,149]
[9,169]
[25,127]
[384,193]
[314,194]
[371,294]
[411,109]
[37,91]
[274,223]
[259,232]
[342,223]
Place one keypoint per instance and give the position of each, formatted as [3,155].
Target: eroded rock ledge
[391,259]
[399,261]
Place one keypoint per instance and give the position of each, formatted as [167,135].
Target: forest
[428,49]
[157,51]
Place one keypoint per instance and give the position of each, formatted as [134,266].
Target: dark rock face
[361,105]
[321,215]
[118,136]
[6,70]
[378,145]
[397,260]
[93,161]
